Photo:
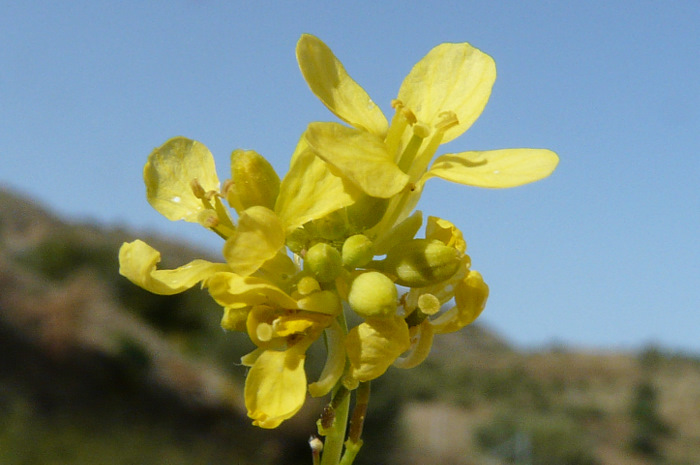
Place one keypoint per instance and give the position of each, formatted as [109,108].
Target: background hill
[95,370]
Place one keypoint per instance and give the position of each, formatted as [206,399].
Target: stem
[335,435]
[340,407]
[357,421]
[354,443]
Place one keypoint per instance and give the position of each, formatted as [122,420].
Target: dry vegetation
[91,363]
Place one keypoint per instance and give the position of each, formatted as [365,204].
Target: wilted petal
[138,261]
[470,298]
[310,191]
[275,388]
[168,175]
[359,156]
[451,77]
[374,345]
[257,239]
[495,168]
[327,78]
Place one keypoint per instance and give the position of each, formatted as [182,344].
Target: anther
[226,187]
[197,189]
[208,218]
[409,115]
[447,119]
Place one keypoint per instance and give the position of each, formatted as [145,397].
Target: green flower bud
[422,262]
[324,262]
[307,285]
[298,240]
[373,294]
[357,251]
[254,181]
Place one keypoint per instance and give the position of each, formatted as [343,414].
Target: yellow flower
[182,184]
[372,346]
[263,292]
[283,326]
[344,210]
[422,305]
[441,97]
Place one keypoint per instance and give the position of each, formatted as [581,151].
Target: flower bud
[373,294]
[323,261]
[298,240]
[421,262]
[254,181]
[357,251]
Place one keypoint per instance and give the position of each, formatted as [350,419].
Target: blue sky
[603,254]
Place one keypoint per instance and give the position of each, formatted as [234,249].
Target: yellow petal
[327,78]
[234,318]
[275,388]
[404,231]
[257,239]
[279,270]
[248,360]
[335,362]
[421,342]
[470,298]
[255,181]
[374,345]
[169,173]
[232,290]
[359,156]
[495,168]
[451,77]
[326,302]
[310,191]
[138,261]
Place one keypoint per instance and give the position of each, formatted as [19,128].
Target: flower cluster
[338,233]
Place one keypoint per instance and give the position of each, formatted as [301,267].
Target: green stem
[340,408]
[354,442]
[335,435]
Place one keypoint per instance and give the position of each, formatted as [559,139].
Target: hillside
[91,363]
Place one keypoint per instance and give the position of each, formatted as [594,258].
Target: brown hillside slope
[90,363]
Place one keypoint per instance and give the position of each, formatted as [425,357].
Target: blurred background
[588,350]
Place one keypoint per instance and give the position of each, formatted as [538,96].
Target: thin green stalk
[354,442]
[338,410]
[335,435]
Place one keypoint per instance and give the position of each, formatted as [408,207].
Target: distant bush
[649,427]
[61,254]
[535,440]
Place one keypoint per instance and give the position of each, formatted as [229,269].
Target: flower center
[214,216]
[414,156]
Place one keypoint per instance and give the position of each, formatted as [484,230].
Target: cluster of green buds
[331,252]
